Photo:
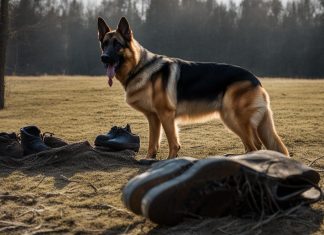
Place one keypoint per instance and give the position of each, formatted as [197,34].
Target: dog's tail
[268,134]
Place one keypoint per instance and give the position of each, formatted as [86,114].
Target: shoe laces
[120,130]
[18,137]
[46,134]
[113,130]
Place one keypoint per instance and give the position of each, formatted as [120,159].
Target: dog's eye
[117,45]
[104,44]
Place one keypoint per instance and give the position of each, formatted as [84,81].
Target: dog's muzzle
[106,59]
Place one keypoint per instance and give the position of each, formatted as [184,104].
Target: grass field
[80,108]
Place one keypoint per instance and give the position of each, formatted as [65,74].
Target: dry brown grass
[79,108]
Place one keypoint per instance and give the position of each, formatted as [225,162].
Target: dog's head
[118,54]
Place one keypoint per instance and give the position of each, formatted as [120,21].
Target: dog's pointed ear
[124,29]
[103,28]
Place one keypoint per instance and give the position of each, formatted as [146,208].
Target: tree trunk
[3,46]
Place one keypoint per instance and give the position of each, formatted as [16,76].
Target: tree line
[264,36]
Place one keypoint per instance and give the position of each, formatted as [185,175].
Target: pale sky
[91,2]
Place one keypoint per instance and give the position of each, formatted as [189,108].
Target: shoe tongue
[111,72]
[113,129]
[32,130]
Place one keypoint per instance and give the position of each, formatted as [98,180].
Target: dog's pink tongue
[111,73]
[110,82]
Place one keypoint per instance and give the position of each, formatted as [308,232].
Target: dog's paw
[171,157]
[151,156]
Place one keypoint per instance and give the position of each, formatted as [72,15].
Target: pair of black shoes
[119,138]
[31,142]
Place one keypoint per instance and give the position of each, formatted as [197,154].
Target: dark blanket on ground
[72,154]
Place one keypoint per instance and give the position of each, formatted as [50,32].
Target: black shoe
[119,138]
[102,139]
[31,140]
[10,146]
[147,162]
[124,140]
[52,141]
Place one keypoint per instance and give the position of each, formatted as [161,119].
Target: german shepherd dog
[168,90]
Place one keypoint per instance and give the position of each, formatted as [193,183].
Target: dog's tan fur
[244,109]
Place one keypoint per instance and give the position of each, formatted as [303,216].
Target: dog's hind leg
[256,139]
[246,111]
[242,110]
[154,134]
[262,121]
[243,130]
[269,136]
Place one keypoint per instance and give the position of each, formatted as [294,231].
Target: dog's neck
[147,58]
[131,64]
[135,68]
[138,50]
[144,56]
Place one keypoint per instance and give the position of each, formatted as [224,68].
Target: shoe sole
[160,172]
[147,162]
[119,146]
[167,203]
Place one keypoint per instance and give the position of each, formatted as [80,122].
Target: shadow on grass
[81,157]
[62,163]
[305,220]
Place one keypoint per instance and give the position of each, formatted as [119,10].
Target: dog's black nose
[106,59]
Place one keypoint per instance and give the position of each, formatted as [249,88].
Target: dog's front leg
[154,134]
[167,119]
